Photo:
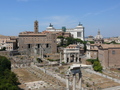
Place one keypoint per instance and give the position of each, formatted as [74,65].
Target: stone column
[80,81]
[40,52]
[65,58]
[60,60]
[67,82]
[41,55]
[74,84]
[74,58]
[69,58]
[78,58]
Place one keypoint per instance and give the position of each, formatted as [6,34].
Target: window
[113,51]
[28,45]
[47,45]
[38,45]
[78,34]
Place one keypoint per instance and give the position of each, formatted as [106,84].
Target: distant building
[92,51]
[9,42]
[77,32]
[108,54]
[98,38]
[60,33]
[37,42]
[89,38]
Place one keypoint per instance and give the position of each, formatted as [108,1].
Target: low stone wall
[4,53]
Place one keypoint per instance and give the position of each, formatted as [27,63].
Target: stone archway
[76,59]
[67,59]
[72,58]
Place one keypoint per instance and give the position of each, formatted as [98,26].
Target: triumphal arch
[72,54]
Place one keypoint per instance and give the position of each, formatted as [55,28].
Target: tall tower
[36,26]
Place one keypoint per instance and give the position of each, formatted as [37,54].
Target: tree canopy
[69,40]
[96,64]
[8,80]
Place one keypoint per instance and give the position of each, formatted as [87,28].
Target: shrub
[96,64]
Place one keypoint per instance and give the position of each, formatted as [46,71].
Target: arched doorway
[72,58]
[67,59]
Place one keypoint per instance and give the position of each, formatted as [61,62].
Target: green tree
[4,63]
[97,66]
[8,80]
[69,40]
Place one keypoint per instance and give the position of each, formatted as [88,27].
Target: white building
[72,54]
[77,32]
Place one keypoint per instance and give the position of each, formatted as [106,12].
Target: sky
[19,15]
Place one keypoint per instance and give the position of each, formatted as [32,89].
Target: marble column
[78,58]
[40,52]
[60,60]
[67,82]
[69,58]
[74,58]
[65,57]
[74,82]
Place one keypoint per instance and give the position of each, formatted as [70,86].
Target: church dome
[98,36]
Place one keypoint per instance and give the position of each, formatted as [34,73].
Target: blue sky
[19,15]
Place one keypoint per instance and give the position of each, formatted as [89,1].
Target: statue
[79,24]
[50,25]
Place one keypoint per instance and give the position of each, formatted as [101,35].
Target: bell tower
[36,26]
